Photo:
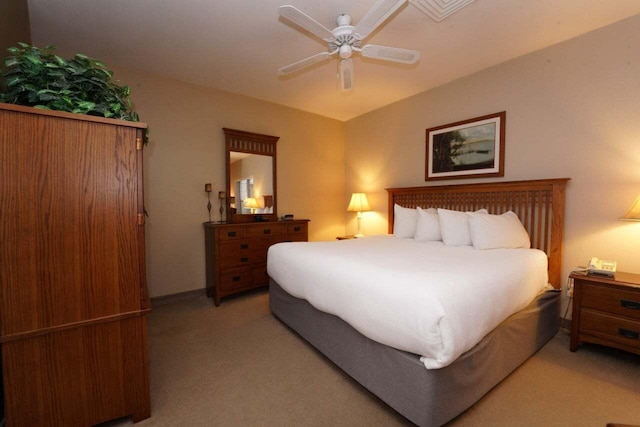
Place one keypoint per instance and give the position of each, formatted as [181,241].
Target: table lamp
[358,203]
[633,214]
[251,203]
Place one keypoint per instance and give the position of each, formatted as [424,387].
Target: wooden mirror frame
[252,143]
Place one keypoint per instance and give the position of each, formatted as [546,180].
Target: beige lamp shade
[358,203]
[251,203]
[633,214]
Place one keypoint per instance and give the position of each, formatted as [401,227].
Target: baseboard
[164,299]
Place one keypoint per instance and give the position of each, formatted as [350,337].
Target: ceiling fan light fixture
[345,51]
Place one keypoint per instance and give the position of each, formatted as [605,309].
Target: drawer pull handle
[231,234]
[267,231]
[244,259]
[629,334]
[632,305]
[244,246]
[296,229]
[236,278]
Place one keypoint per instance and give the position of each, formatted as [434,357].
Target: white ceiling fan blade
[376,16]
[305,21]
[394,54]
[305,62]
[346,74]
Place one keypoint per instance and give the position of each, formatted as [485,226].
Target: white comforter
[423,297]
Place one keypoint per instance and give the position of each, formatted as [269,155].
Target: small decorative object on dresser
[236,253]
[207,188]
[606,311]
[222,196]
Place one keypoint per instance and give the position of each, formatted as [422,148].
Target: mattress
[419,297]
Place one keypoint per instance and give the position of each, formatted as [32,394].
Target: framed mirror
[251,176]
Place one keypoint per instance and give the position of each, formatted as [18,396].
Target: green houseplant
[39,78]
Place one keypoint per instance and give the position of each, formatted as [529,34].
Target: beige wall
[187,151]
[573,110]
[14,24]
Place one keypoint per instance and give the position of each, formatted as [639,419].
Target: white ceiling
[238,45]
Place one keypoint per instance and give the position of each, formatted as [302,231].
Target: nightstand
[351,236]
[606,311]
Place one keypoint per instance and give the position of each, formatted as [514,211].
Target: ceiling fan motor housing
[345,38]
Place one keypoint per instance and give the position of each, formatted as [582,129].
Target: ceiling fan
[346,39]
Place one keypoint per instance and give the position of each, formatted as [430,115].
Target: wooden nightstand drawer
[610,328]
[614,301]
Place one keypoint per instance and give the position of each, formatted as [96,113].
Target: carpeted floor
[237,365]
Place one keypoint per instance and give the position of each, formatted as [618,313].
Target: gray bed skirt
[425,397]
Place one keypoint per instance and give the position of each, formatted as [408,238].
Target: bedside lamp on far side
[633,214]
[251,203]
[358,203]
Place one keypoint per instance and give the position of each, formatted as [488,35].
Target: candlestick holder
[207,188]
[222,195]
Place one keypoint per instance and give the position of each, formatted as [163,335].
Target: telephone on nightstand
[600,266]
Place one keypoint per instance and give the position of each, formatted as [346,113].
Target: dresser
[73,296]
[606,311]
[236,253]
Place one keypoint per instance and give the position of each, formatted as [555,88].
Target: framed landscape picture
[471,148]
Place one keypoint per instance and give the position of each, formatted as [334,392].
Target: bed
[430,397]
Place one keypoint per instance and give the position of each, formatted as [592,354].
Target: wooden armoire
[73,296]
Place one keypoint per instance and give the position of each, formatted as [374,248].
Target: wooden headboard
[538,203]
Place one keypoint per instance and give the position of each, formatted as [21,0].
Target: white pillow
[498,231]
[404,222]
[454,226]
[428,227]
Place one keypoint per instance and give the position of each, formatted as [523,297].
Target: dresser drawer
[266,230]
[234,253]
[610,328]
[229,233]
[300,228]
[614,301]
[236,278]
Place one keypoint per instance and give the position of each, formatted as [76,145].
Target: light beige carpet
[237,365]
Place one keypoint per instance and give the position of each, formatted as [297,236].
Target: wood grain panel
[610,328]
[236,253]
[77,377]
[614,301]
[73,294]
[68,194]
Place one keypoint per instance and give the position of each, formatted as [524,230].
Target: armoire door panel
[70,198]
